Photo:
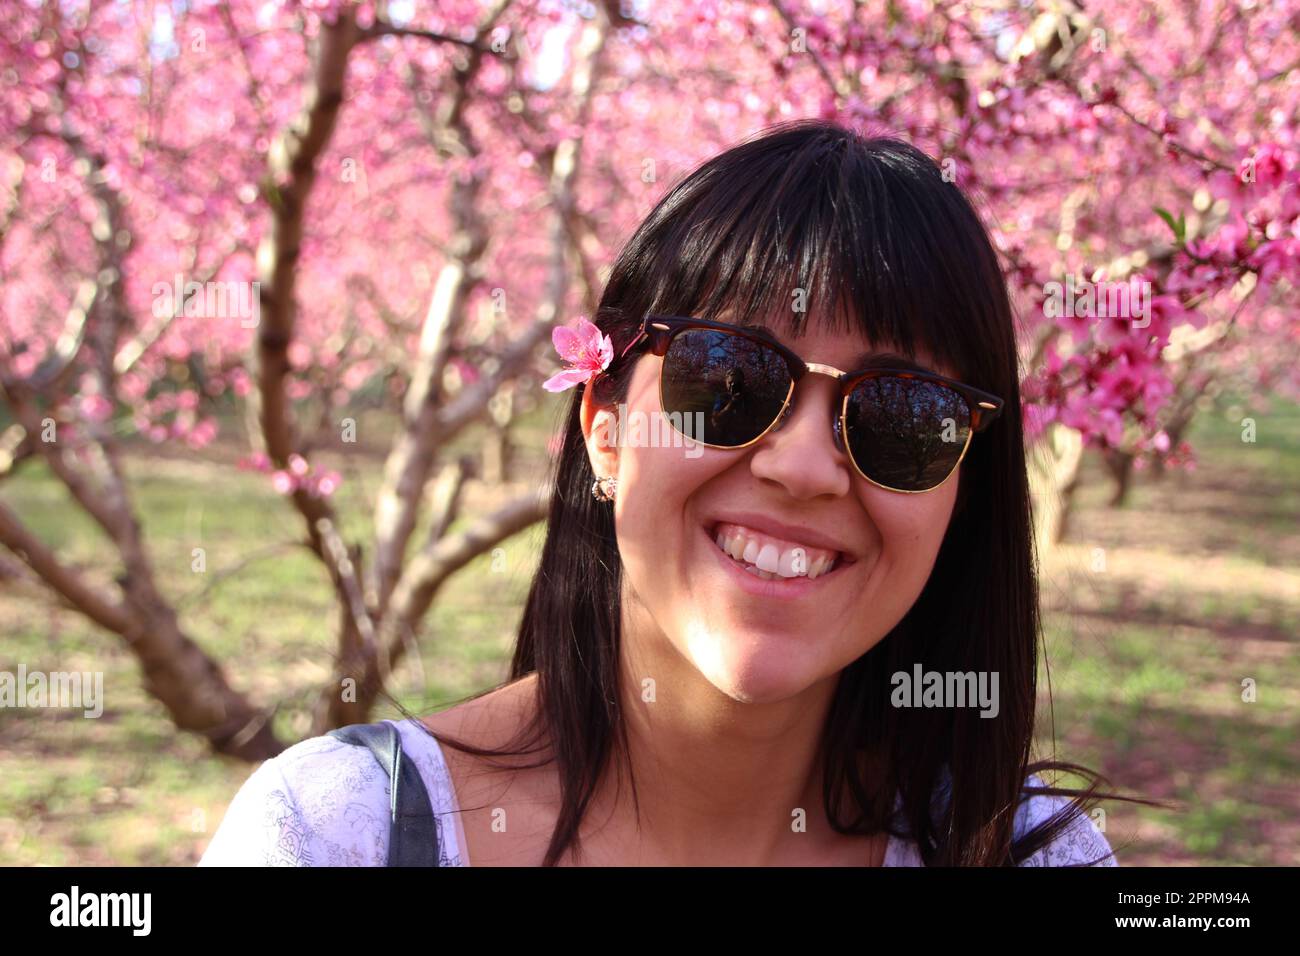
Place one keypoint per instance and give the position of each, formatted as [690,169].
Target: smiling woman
[705,666]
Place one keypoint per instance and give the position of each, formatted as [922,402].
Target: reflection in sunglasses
[732,401]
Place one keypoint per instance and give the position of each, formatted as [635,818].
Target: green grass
[126,788]
[1201,589]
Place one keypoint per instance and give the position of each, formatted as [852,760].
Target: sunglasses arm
[654,333]
[984,411]
[641,337]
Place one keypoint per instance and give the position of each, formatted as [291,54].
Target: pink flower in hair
[587,351]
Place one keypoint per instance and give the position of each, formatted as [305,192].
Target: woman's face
[755,640]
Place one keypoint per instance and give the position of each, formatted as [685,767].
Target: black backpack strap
[413,837]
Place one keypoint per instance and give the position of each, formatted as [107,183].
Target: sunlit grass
[1152,657]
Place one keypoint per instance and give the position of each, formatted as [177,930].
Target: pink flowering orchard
[219,212]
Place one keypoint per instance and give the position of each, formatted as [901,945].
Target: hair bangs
[821,231]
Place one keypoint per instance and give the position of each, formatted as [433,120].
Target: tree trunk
[1054,476]
[185,680]
[1120,466]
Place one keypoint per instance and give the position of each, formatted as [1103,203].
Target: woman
[812,640]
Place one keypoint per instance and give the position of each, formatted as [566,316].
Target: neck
[718,781]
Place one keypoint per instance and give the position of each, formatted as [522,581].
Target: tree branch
[441,558]
[62,579]
[410,461]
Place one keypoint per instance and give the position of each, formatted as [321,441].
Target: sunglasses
[904,429]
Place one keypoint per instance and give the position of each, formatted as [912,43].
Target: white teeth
[733,547]
[769,562]
[736,546]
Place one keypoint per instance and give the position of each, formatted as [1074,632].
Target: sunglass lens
[727,388]
[904,433]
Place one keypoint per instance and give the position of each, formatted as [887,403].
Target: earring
[604,489]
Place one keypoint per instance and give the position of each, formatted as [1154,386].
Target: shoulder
[1080,843]
[492,721]
[321,802]
[517,779]
[490,718]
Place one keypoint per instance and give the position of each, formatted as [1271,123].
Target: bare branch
[16,446]
[409,462]
[450,485]
[345,571]
[388,30]
[55,369]
[66,582]
[837,87]
[471,404]
[441,558]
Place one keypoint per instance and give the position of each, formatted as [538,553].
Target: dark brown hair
[880,244]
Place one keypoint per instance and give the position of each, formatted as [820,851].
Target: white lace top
[323,802]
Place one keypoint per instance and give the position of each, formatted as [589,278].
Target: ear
[600,431]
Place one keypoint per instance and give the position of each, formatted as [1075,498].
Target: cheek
[654,515]
[659,469]
[655,518]
[911,529]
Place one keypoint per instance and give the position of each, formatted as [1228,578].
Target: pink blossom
[297,388]
[587,351]
[327,483]
[299,355]
[240,382]
[202,433]
[1019,136]
[1271,164]
[283,482]
[96,408]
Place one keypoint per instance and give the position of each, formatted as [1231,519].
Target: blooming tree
[283,206]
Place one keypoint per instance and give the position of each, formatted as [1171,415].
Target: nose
[801,452]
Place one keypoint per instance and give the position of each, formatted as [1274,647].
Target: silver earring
[604,489]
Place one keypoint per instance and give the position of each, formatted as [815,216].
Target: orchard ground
[1155,615]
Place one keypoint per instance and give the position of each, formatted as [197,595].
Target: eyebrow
[860,361]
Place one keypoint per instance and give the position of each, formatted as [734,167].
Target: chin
[755,670]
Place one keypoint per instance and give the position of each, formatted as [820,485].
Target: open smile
[817,569]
